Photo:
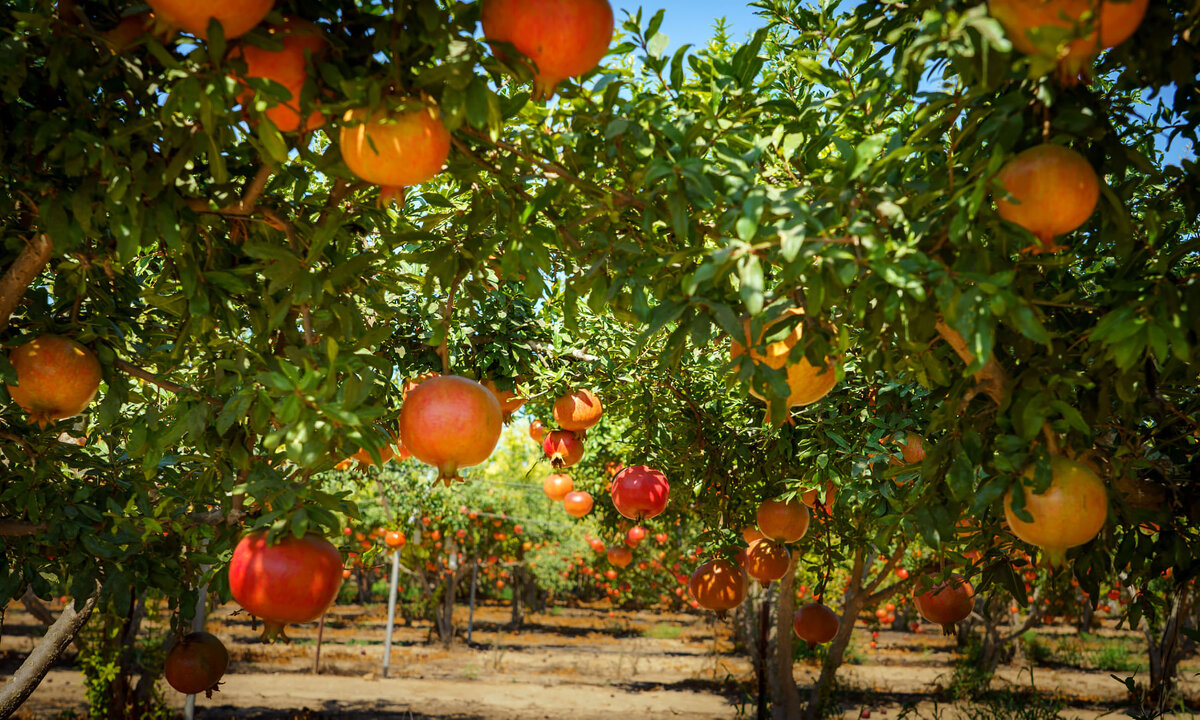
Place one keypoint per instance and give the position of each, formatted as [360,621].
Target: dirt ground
[580,663]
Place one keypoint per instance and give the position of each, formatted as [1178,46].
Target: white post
[189,704]
[391,621]
[474,577]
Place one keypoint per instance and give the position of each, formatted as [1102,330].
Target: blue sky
[691,21]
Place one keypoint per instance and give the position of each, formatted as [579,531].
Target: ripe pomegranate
[293,581]
[363,456]
[237,17]
[450,422]
[557,485]
[946,603]
[750,533]
[537,431]
[815,624]
[661,538]
[127,32]
[577,503]
[578,410]
[640,492]
[394,539]
[563,448]
[767,560]
[1055,191]
[563,38]
[196,664]
[718,585]
[395,149]
[1070,512]
[785,520]
[509,402]
[1107,25]
[56,378]
[287,67]
[635,536]
[811,498]
[620,556]
[807,382]
[912,450]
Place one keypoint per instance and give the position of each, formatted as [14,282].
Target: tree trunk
[27,677]
[823,688]
[1165,651]
[785,696]
[518,596]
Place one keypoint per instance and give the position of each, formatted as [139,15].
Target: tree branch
[21,273]
[990,379]
[20,528]
[142,374]
[27,677]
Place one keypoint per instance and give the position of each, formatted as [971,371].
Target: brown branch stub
[20,528]
[21,273]
[990,379]
[27,677]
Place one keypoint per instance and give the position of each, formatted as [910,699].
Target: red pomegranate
[577,503]
[620,556]
[293,581]
[557,485]
[1070,512]
[635,536]
[397,149]
[767,560]
[563,38]
[946,603]
[56,378]
[718,585]
[450,422]
[912,450]
[509,402]
[640,492]
[237,17]
[815,624]
[288,67]
[578,410]
[394,539]
[196,664]
[563,448]
[1108,24]
[537,431]
[785,520]
[1055,191]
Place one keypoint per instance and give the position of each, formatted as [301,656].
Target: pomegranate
[750,533]
[537,431]
[237,17]
[946,603]
[807,382]
[620,556]
[815,624]
[811,498]
[1070,512]
[661,538]
[56,378]
[635,536]
[563,448]
[578,410]
[127,32]
[718,585]
[395,149]
[640,492]
[577,503]
[394,539]
[563,38]
[1091,26]
[450,422]
[557,485]
[509,402]
[1055,191]
[767,560]
[785,520]
[912,450]
[196,664]
[293,581]
[287,67]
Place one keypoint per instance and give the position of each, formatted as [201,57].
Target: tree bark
[27,677]
[785,696]
[518,597]
[21,273]
[854,600]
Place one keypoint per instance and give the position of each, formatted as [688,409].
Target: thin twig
[140,373]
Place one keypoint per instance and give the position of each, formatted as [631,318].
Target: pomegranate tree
[640,492]
[56,378]
[293,581]
[1054,190]
[563,38]
[1070,512]
[578,410]
[946,603]
[815,623]
[450,422]
[196,664]
[785,520]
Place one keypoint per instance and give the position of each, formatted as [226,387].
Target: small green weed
[662,631]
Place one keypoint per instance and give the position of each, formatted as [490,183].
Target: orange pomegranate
[815,624]
[785,520]
[563,448]
[946,603]
[509,402]
[237,17]
[127,32]
[1070,512]
[578,410]
[450,422]
[912,450]
[557,485]
[56,378]
[767,560]
[807,382]
[287,67]
[395,149]
[563,38]
[620,556]
[1055,191]
[718,585]
[537,431]
[577,503]
[750,533]
[394,539]
[1091,26]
